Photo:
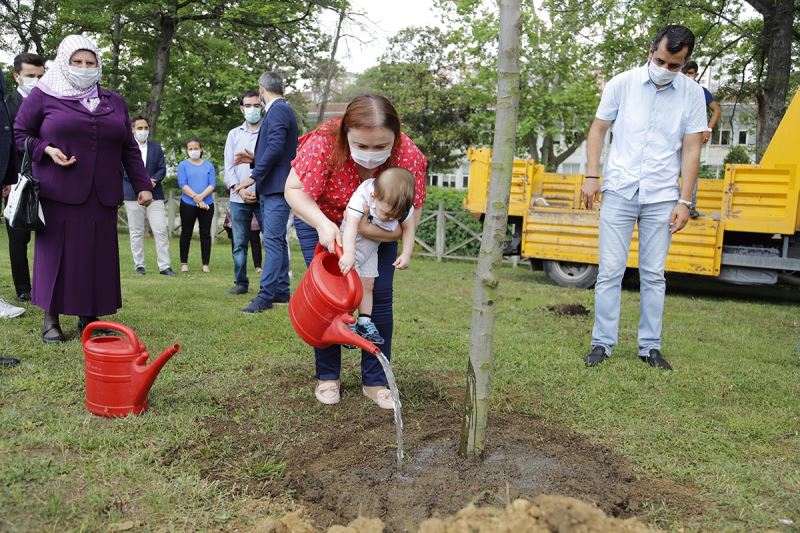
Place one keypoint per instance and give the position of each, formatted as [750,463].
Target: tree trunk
[560,158]
[152,109]
[548,152]
[116,44]
[533,146]
[331,68]
[481,355]
[36,36]
[777,40]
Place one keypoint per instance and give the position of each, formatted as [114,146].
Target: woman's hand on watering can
[329,234]
[346,262]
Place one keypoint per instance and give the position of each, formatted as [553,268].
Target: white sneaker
[9,311]
[383,397]
[327,392]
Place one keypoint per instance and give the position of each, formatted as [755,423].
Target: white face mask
[370,159]
[83,78]
[658,75]
[141,135]
[252,114]
[195,154]
[27,84]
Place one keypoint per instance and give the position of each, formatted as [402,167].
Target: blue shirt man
[275,149]
[657,117]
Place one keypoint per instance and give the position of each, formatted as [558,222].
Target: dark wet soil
[568,309]
[343,467]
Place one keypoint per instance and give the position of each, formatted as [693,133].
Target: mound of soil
[545,514]
[344,467]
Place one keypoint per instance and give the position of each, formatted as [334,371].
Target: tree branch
[725,18]
[739,91]
[181,5]
[760,6]
[560,158]
[720,52]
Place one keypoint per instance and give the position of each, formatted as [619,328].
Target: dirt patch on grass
[341,463]
[568,309]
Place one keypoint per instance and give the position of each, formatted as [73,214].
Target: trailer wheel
[567,274]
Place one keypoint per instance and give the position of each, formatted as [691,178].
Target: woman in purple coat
[79,138]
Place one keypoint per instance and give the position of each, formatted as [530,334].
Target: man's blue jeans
[241,217]
[275,277]
[617,219]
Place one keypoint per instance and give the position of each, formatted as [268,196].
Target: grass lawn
[725,423]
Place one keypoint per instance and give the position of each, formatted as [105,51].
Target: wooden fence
[172,205]
[438,248]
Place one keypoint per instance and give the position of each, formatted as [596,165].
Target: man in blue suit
[153,157]
[275,149]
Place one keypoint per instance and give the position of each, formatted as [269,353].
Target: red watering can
[323,303]
[117,375]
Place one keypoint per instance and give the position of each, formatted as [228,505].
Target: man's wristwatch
[709,130]
[687,203]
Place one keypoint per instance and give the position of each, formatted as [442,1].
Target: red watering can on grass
[118,377]
[323,304]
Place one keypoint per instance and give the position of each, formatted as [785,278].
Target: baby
[390,203]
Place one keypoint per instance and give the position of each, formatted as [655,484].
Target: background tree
[737,155]
[25,24]
[420,75]
[190,59]
[559,88]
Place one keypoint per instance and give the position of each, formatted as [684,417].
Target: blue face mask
[252,114]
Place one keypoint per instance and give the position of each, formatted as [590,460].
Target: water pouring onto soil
[398,415]
[321,308]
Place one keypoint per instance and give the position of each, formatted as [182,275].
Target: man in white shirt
[242,139]
[657,118]
[154,162]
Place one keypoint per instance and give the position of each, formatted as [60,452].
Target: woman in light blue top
[197,178]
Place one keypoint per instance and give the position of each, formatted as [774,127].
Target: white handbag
[23,210]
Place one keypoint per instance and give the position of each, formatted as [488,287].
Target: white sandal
[383,398]
[327,392]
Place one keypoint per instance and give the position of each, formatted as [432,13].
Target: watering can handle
[351,277]
[99,324]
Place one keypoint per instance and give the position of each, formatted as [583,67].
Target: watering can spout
[145,375]
[340,333]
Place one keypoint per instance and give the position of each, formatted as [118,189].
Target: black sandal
[47,328]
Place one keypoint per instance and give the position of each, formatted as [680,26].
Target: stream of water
[398,415]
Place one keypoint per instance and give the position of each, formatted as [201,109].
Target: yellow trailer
[748,233]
